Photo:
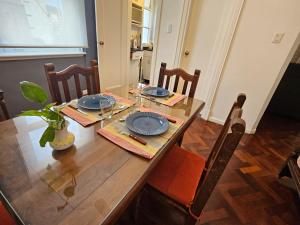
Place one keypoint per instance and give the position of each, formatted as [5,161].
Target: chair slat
[167,83]
[96,78]
[176,83]
[184,87]
[161,74]
[66,90]
[77,86]
[194,83]
[56,92]
[88,85]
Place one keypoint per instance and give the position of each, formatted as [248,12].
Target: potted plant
[57,133]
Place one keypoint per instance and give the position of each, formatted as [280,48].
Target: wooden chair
[178,73]
[179,187]
[90,74]
[3,106]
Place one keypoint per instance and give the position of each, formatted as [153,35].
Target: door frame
[155,41]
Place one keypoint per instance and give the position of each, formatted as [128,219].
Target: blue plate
[96,102]
[147,123]
[156,91]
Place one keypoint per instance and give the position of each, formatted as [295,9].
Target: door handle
[186,52]
[101,43]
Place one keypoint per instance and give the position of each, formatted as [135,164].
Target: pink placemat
[83,119]
[114,132]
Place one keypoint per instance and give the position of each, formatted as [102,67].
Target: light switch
[169,28]
[277,38]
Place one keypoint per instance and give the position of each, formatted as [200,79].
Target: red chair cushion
[178,174]
[5,217]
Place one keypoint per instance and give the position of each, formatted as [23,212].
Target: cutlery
[171,120]
[73,106]
[171,95]
[79,110]
[138,139]
[148,97]
[122,119]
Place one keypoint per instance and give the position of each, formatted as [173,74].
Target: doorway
[283,110]
[145,22]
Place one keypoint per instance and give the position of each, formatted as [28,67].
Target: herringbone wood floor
[248,192]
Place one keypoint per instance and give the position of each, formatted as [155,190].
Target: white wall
[254,64]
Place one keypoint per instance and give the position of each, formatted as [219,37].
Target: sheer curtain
[42,23]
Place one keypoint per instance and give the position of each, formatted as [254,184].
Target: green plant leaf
[32,113]
[47,136]
[50,105]
[33,92]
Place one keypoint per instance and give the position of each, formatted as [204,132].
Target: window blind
[42,23]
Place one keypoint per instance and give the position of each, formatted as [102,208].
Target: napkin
[83,119]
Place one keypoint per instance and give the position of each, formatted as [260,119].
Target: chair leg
[4,109]
[179,142]
[190,221]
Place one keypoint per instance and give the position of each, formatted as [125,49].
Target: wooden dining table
[93,182]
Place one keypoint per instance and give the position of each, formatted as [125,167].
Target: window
[42,27]
[147,22]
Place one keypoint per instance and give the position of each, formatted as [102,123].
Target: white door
[204,22]
[210,31]
[112,26]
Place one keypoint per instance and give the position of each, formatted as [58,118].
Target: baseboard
[221,122]
[216,120]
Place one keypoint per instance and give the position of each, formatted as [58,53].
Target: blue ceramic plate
[147,123]
[156,91]
[96,102]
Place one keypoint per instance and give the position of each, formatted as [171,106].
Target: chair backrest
[90,74]
[178,73]
[238,104]
[223,149]
[3,106]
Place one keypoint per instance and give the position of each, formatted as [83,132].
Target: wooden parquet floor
[248,193]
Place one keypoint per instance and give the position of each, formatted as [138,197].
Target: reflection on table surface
[86,183]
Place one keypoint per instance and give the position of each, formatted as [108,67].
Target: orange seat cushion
[5,217]
[178,175]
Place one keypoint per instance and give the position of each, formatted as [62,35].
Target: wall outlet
[277,38]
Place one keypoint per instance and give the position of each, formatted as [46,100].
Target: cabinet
[138,2]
